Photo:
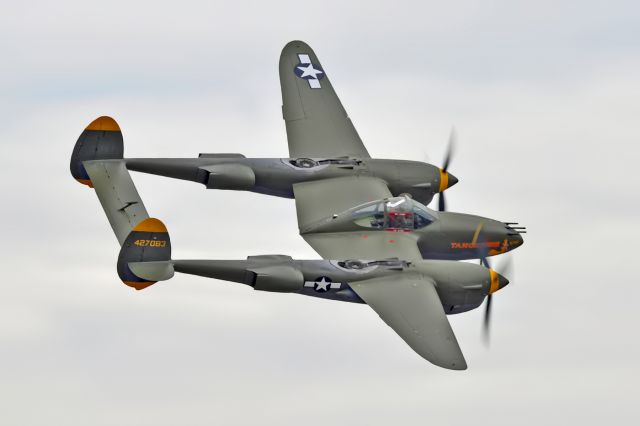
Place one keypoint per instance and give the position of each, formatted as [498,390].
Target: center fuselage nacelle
[439,235]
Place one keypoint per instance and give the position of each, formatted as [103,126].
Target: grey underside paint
[317,123]
[411,307]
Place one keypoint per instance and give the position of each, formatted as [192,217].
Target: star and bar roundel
[323,284]
[309,71]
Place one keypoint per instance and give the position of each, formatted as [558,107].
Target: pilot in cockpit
[398,213]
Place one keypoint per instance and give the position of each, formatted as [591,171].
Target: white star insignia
[309,71]
[322,284]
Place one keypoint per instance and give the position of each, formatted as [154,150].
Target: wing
[376,245]
[321,199]
[317,200]
[317,124]
[411,307]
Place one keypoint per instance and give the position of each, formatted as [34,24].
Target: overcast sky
[546,99]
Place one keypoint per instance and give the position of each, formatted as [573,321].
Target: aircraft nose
[515,241]
[514,235]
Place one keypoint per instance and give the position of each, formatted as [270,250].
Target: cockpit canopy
[401,214]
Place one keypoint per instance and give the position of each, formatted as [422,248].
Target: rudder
[100,140]
[97,161]
[148,242]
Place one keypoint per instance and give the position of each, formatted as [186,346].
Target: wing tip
[458,363]
[460,366]
[295,44]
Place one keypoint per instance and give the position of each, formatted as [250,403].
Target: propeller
[445,166]
[505,268]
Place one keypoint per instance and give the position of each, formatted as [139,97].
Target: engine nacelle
[277,278]
[230,176]
[421,180]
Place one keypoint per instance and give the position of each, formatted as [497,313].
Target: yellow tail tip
[104,123]
[150,225]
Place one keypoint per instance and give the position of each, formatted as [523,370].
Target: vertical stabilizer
[149,248]
[100,140]
[97,162]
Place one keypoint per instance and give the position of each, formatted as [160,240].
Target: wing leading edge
[317,123]
[411,307]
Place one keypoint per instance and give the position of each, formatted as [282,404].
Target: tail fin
[97,161]
[100,140]
[145,254]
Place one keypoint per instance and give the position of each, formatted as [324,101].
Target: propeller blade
[451,180]
[487,320]
[441,203]
[487,309]
[453,137]
[505,268]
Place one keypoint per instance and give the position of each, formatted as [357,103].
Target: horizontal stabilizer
[117,194]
